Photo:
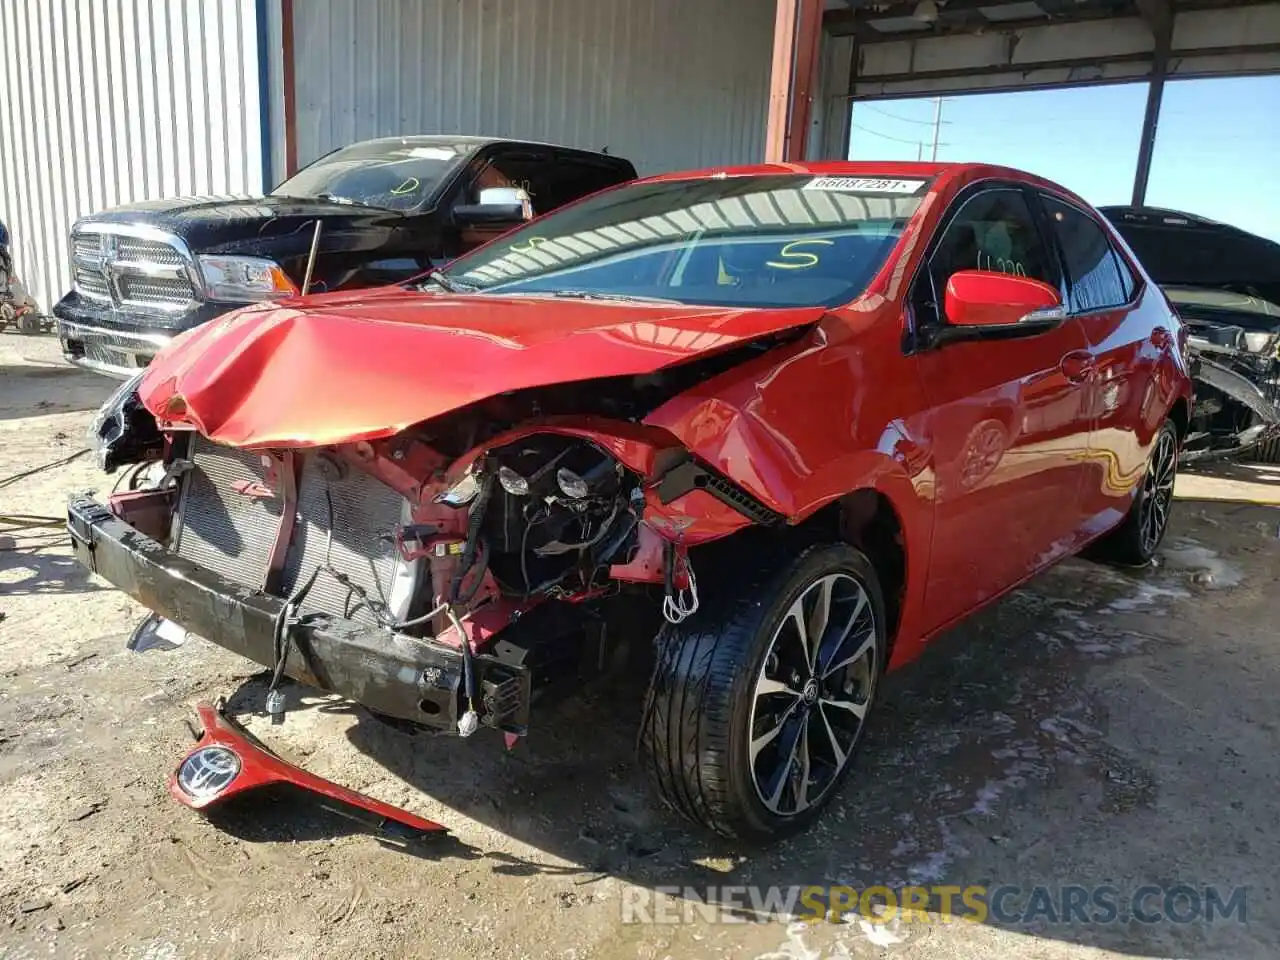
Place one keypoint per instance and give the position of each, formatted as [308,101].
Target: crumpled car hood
[347,367]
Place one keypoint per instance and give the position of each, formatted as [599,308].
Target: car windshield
[394,174]
[758,241]
[1222,300]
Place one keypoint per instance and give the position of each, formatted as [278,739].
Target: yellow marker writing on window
[794,258]
[409,186]
[529,245]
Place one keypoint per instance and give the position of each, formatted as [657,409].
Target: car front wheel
[758,702]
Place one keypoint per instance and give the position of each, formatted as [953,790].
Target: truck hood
[1181,250]
[345,367]
[257,225]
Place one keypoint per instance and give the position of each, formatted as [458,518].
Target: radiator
[227,524]
[366,513]
[219,528]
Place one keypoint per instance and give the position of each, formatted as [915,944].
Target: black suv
[374,213]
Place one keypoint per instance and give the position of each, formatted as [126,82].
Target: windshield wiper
[592,295]
[443,280]
[334,198]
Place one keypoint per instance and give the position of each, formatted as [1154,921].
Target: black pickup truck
[386,210]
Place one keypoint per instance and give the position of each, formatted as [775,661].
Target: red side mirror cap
[982,298]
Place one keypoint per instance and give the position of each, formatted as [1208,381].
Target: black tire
[29,323]
[696,729]
[1135,541]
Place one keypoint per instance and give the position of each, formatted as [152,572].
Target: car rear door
[1009,423]
[1125,342]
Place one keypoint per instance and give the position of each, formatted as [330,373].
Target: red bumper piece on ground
[227,761]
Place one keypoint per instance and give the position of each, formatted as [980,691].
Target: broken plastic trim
[1238,387]
[227,761]
[688,475]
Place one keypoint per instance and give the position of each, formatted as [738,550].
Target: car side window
[575,176]
[1127,279]
[532,172]
[993,230]
[1097,278]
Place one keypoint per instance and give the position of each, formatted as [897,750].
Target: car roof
[430,139]
[942,173]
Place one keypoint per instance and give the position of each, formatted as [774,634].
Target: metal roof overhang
[922,48]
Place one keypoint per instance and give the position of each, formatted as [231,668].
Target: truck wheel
[758,701]
[29,323]
[1136,540]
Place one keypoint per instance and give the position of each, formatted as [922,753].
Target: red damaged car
[807,415]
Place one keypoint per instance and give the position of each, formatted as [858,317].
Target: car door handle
[1078,366]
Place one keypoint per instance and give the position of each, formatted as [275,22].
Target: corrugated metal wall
[103,102]
[666,83]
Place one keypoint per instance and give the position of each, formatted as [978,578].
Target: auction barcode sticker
[864,185]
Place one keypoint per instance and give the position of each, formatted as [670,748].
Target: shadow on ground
[1094,728]
[30,389]
[27,569]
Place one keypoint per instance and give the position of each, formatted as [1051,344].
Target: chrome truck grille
[141,268]
[229,519]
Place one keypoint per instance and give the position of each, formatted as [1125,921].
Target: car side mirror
[495,206]
[982,305]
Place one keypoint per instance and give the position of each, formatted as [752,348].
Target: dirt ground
[1096,727]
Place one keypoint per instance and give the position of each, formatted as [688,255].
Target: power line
[877,133]
[893,116]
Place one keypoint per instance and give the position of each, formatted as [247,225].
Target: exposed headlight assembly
[123,430]
[245,279]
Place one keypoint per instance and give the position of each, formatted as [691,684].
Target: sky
[1217,148]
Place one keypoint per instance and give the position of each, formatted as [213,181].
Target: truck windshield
[395,174]
[763,241]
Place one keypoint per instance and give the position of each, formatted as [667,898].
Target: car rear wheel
[758,702]
[1137,539]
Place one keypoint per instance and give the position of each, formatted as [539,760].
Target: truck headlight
[245,279]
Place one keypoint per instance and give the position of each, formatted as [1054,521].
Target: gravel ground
[1095,727]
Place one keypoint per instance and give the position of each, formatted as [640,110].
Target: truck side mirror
[494,206]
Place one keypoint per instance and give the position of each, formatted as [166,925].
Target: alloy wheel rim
[1157,492]
[812,694]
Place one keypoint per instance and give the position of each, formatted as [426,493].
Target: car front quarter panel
[837,412]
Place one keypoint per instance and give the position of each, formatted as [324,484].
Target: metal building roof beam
[1159,16]
[1222,41]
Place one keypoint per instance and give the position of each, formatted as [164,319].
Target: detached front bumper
[392,674]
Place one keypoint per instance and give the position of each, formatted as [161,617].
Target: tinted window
[1093,269]
[783,240]
[576,176]
[1127,280]
[531,172]
[992,231]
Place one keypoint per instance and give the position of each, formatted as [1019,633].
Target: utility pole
[937,126]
